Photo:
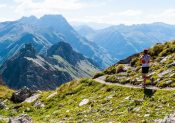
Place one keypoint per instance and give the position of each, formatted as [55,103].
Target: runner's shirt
[145,60]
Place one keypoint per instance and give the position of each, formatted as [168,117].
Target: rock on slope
[27,68]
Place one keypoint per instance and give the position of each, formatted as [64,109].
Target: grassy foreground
[107,103]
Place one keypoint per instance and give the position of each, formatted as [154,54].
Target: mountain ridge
[27,68]
[131,38]
[49,30]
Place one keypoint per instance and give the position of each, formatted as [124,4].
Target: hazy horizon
[109,12]
[94,25]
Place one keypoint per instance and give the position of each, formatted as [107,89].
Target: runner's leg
[144,79]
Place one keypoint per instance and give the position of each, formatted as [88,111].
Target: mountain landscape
[44,72]
[43,33]
[122,41]
[114,95]
[87,61]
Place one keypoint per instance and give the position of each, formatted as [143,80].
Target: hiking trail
[102,80]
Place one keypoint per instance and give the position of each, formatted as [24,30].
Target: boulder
[52,95]
[21,95]
[84,102]
[164,73]
[2,105]
[168,82]
[173,63]
[32,98]
[24,118]
[128,98]
[39,104]
[164,59]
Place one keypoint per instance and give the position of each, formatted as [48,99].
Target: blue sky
[98,11]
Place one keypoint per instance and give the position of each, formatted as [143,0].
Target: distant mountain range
[122,41]
[43,33]
[44,72]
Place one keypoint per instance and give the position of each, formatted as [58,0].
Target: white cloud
[167,16]
[126,17]
[3,5]
[85,11]
[48,6]
[131,17]
[2,19]
[130,13]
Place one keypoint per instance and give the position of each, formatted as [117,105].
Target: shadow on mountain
[148,93]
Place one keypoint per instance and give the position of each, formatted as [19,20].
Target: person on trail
[145,60]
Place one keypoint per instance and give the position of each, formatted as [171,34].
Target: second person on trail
[145,61]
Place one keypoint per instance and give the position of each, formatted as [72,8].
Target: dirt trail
[102,80]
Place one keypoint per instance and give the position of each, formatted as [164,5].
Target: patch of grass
[98,75]
[110,70]
[106,103]
[5,92]
[111,78]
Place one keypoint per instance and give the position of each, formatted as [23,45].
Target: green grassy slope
[106,103]
[82,69]
[162,70]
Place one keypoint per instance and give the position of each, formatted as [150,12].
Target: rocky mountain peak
[54,17]
[59,49]
[52,21]
[30,19]
[42,72]
[28,51]
[64,50]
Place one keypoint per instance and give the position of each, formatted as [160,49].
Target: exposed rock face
[28,51]
[21,95]
[28,69]
[62,64]
[21,119]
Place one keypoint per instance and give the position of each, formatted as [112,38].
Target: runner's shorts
[145,69]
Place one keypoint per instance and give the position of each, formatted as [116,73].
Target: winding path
[102,80]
